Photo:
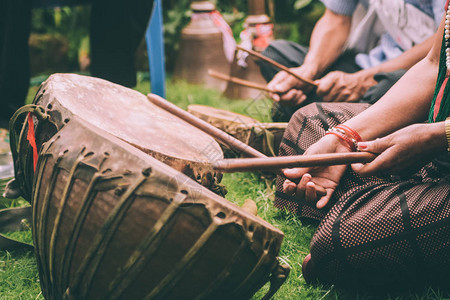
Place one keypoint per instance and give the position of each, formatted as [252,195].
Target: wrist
[347,136]
[309,70]
[340,146]
[368,73]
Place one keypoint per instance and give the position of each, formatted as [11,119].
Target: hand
[404,151]
[327,177]
[289,90]
[338,86]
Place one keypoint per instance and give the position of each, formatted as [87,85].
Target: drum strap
[14,219]
[32,139]
[15,137]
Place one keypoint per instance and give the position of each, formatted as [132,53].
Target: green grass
[18,271]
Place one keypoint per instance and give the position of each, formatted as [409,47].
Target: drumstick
[239,81]
[216,133]
[278,65]
[296,161]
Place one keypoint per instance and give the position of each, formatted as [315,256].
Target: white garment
[406,24]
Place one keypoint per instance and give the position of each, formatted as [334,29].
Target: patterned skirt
[388,232]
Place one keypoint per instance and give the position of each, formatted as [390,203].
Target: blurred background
[59,40]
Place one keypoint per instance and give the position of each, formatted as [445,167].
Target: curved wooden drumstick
[216,133]
[296,161]
[278,65]
[239,81]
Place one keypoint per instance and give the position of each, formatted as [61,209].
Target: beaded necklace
[440,106]
[447,39]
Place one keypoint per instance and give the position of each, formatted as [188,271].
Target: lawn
[18,271]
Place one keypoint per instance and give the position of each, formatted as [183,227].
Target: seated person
[385,223]
[346,76]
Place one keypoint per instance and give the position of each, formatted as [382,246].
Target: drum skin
[128,115]
[112,222]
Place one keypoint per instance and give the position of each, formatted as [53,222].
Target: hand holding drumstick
[273,89]
[289,85]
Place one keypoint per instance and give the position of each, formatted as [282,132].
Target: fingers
[302,192]
[275,97]
[380,163]
[287,89]
[294,173]
[339,87]
[306,190]
[375,146]
[281,82]
[309,190]
[325,85]
[293,97]
[289,187]
[323,201]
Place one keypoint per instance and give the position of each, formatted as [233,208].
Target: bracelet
[447,133]
[349,135]
[341,134]
[350,131]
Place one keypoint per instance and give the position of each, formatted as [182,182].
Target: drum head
[217,115]
[128,115]
[264,137]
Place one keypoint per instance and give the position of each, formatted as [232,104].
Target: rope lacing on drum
[15,143]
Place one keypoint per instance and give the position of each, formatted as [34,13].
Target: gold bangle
[447,133]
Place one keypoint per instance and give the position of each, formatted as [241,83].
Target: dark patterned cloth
[386,232]
[292,55]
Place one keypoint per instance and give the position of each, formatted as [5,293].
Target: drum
[264,137]
[128,115]
[111,222]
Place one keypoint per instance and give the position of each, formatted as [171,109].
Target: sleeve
[342,7]
[439,10]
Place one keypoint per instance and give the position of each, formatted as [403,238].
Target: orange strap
[32,139]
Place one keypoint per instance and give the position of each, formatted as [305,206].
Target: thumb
[294,173]
[375,146]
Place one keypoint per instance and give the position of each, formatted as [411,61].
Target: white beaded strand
[447,39]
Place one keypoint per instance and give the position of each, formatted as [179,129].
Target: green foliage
[176,16]
[18,273]
[299,4]
[69,25]
[294,20]
[19,277]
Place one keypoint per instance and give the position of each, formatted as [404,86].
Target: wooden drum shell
[110,222]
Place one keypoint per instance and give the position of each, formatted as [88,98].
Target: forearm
[404,61]
[327,42]
[407,102]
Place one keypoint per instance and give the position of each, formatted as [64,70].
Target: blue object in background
[155,50]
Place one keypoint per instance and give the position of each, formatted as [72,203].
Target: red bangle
[350,132]
[343,137]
